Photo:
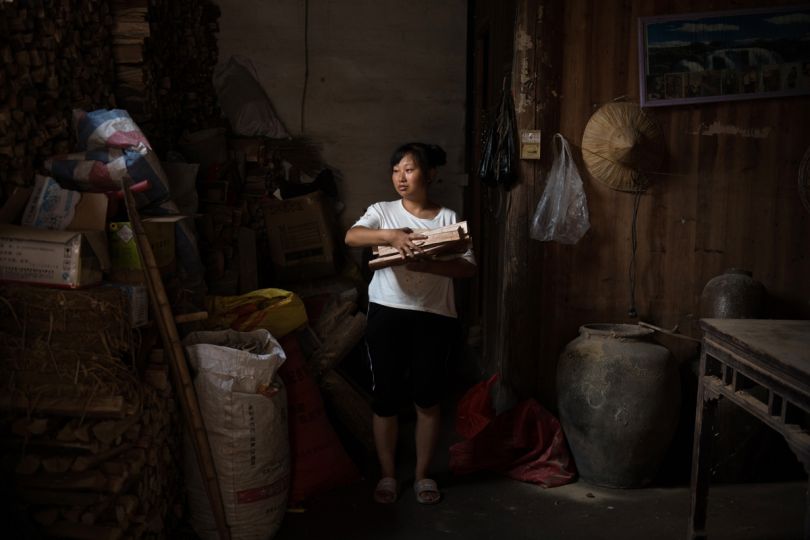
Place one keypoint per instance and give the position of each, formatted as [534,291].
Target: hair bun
[436,155]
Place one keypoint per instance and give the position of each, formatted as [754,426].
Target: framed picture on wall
[722,56]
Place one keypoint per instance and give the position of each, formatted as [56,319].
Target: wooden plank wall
[724,200]
[726,197]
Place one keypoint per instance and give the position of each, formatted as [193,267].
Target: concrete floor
[489,506]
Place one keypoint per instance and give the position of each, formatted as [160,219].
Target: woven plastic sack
[107,128]
[103,170]
[244,407]
[276,310]
[244,101]
[562,212]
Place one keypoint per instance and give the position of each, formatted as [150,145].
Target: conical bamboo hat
[620,144]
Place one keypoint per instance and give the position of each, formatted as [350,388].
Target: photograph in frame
[722,56]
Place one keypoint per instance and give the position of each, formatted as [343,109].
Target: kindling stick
[672,332]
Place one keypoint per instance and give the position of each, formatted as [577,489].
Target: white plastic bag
[562,212]
[244,101]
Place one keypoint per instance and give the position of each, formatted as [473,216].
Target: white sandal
[386,490]
[424,489]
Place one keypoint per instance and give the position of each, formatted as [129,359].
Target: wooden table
[740,354]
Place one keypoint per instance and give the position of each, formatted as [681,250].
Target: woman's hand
[404,241]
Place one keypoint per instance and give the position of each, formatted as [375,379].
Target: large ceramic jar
[619,400]
[734,294]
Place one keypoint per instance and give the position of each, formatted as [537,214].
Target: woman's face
[409,179]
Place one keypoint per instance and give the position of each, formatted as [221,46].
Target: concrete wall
[381,73]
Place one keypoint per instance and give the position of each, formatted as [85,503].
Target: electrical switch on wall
[530,144]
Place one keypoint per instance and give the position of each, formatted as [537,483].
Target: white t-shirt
[399,287]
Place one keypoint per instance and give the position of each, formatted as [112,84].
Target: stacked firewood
[165,53]
[134,88]
[91,449]
[54,57]
[157,58]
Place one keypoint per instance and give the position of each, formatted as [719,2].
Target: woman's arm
[453,268]
[401,239]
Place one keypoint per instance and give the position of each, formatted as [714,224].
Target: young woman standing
[411,316]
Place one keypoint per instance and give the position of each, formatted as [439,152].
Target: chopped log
[46,516]
[81,531]
[67,498]
[125,507]
[92,514]
[57,464]
[73,515]
[128,54]
[74,430]
[157,376]
[114,468]
[90,480]
[82,433]
[25,427]
[28,464]
[66,446]
[94,407]
[109,430]
[83,463]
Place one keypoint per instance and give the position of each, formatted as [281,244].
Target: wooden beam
[535,88]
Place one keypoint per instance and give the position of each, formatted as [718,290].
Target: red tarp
[525,443]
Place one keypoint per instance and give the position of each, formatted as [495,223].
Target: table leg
[705,409]
[805,459]
[807,514]
[802,452]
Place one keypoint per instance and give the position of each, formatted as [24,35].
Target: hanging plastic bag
[562,212]
[498,158]
[486,169]
[244,101]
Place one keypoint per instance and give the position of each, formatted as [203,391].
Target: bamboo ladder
[179,367]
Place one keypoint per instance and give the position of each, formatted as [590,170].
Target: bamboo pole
[179,367]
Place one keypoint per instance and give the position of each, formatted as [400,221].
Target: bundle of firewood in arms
[442,241]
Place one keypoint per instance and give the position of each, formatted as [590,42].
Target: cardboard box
[137,301]
[70,259]
[52,207]
[300,235]
[126,263]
